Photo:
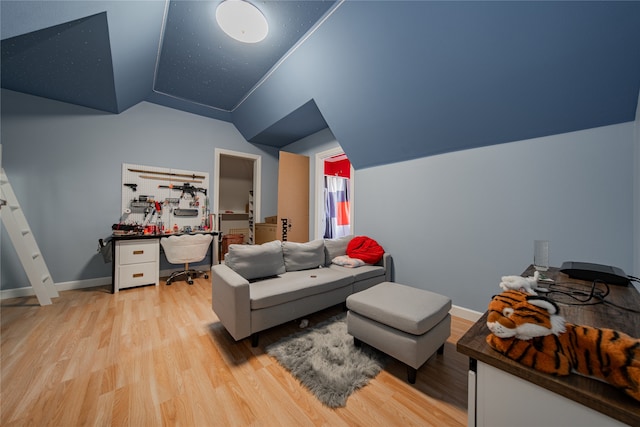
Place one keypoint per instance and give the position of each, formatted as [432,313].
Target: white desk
[136,259]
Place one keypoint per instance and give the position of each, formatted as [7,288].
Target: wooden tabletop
[592,393]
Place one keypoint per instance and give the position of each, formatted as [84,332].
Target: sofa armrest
[386,262]
[230,300]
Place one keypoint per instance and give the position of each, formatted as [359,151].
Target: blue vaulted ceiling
[393,80]
[199,63]
[87,79]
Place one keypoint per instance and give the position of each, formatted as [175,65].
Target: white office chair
[183,250]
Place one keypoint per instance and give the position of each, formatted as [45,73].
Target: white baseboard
[27,291]
[465,313]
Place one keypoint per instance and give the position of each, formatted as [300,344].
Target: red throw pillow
[365,248]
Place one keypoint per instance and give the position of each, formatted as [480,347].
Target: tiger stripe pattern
[606,354]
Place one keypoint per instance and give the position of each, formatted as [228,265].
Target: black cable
[633,278]
[572,292]
[585,298]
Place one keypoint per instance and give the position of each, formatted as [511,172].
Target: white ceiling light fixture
[242,21]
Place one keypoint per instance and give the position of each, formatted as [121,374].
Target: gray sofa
[261,286]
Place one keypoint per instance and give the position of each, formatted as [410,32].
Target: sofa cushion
[360,273]
[256,261]
[303,256]
[335,247]
[294,285]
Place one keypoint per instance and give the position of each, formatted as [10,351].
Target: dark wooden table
[589,392]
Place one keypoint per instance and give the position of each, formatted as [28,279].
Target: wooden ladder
[25,244]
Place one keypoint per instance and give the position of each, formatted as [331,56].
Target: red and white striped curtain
[336,207]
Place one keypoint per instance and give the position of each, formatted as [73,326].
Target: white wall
[64,163]
[457,222]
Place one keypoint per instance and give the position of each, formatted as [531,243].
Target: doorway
[332,161]
[236,189]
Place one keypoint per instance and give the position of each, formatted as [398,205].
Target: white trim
[295,47]
[27,291]
[257,181]
[319,190]
[260,82]
[62,286]
[465,313]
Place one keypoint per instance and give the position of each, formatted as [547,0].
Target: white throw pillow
[346,261]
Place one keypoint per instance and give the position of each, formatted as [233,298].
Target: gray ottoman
[406,323]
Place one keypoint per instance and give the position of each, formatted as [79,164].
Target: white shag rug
[325,360]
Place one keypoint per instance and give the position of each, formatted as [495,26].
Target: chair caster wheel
[168,283]
[190,282]
[206,276]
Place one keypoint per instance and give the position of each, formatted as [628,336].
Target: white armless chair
[183,250]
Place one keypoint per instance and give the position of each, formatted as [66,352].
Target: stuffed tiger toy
[529,330]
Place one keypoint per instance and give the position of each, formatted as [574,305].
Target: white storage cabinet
[136,263]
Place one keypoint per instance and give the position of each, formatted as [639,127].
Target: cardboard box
[265,233]
[271,219]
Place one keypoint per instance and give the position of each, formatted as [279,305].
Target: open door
[320,216]
[293,198]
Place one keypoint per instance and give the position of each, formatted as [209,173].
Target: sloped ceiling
[32,63]
[198,62]
[393,80]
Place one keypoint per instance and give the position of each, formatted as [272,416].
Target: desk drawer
[138,252]
[137,274]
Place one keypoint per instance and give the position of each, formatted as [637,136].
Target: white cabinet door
[503,399]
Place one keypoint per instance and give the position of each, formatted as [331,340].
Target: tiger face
[516,314]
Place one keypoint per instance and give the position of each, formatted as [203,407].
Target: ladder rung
[26,246]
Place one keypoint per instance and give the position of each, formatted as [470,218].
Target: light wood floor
[155,356]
